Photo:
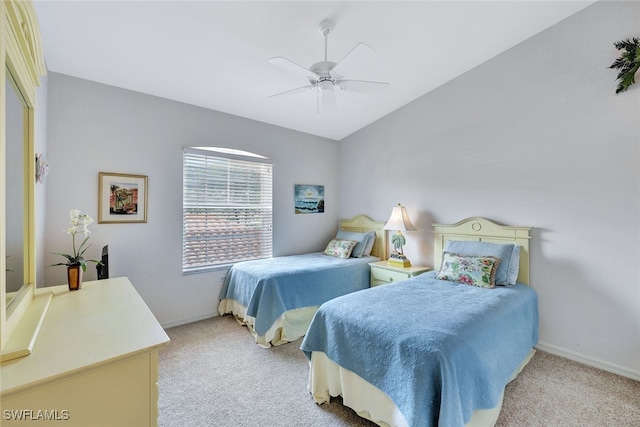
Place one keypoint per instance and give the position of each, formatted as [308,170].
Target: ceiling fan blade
[363,86]
[292,66]
[293,91]
[361,56]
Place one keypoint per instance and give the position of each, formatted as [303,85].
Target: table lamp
[400,222]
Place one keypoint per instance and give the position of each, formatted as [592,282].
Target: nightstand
[383,273]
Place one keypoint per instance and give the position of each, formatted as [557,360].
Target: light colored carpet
[213,374]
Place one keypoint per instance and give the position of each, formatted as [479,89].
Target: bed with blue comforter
[277,297]
[440,350]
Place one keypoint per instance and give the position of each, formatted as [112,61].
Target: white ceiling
[214,54]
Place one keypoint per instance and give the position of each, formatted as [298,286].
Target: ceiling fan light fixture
[325,85]
[324,75]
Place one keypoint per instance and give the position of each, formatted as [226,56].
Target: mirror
[23,65]
[15,191]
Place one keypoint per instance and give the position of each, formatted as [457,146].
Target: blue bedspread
[269,287]
[438,349]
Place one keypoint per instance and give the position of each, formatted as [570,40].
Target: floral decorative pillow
[509,254]
[340,248]
[469,269]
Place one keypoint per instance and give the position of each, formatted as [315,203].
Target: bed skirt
[290,326]
[326,379]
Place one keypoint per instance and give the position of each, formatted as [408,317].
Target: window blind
[227,209]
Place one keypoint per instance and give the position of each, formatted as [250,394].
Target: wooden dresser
[94,362]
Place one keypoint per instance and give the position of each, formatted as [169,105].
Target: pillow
[514,265]
[360,238]
[369,246]
[508,263]
[340,248]
[469,269]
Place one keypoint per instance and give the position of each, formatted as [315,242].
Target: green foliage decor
[628,63]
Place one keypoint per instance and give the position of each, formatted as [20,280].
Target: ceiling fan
[326,76]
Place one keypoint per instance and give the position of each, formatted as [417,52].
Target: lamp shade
[399,220]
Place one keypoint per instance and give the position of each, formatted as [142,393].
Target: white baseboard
[589,361]
[190,320]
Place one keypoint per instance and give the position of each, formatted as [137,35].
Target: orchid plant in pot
[76,264]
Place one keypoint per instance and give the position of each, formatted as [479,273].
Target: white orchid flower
[79,224]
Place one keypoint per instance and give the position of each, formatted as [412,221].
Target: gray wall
[96,128]
[534,137]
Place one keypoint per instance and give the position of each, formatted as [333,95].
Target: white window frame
[227,214]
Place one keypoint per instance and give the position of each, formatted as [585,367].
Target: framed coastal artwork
[309,199]
[122,198]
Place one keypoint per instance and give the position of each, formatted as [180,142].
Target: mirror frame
[21,51]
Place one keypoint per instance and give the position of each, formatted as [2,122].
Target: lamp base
[398,261]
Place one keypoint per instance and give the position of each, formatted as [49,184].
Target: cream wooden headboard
[484,230]
[364,224]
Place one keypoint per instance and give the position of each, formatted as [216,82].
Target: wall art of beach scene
[309,198]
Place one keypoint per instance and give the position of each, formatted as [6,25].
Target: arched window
[226,209]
